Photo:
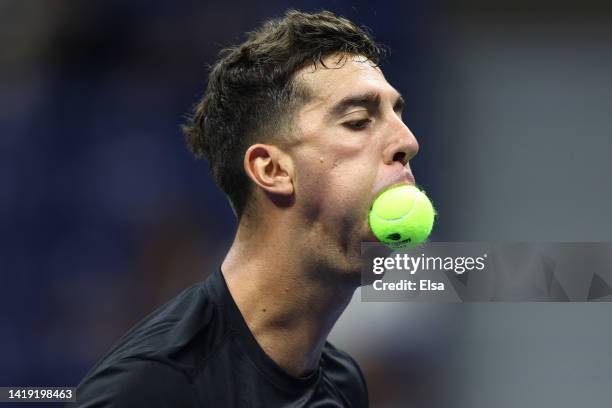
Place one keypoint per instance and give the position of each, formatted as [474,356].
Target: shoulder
[154,363]
[345,373]
[134,382]
[180,332]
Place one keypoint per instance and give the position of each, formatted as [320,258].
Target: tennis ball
[401,216]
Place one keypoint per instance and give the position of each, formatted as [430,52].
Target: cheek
[333,185]
[352,182]
[354,175]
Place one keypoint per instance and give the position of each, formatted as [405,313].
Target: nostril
[400,157]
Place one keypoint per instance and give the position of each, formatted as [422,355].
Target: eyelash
[358,124]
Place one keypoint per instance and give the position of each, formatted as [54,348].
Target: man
[301,131]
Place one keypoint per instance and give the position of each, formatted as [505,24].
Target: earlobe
[270,168]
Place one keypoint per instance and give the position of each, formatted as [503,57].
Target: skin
[294,266]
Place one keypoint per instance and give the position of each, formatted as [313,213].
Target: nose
[402,146]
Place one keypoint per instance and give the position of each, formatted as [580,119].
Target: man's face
[351,145]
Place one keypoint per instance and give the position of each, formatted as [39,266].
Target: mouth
[403,177]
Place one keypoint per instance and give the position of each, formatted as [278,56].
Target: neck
[289,304]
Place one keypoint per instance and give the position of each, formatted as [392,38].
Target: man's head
[299,119]
[252,93]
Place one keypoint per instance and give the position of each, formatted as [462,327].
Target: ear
[270,168]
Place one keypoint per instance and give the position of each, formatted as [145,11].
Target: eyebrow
[368,100]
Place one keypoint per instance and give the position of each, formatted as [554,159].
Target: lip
[403,177]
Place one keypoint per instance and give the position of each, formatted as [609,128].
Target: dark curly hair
[251,94]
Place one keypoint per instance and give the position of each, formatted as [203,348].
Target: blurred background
[104,215]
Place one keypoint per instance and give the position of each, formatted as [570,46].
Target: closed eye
[358,124]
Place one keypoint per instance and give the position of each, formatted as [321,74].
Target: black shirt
[197,351]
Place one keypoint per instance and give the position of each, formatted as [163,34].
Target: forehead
[342,75]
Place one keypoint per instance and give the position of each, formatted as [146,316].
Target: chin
[353,270]
[367,235]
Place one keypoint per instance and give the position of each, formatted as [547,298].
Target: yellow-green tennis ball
[401,216]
